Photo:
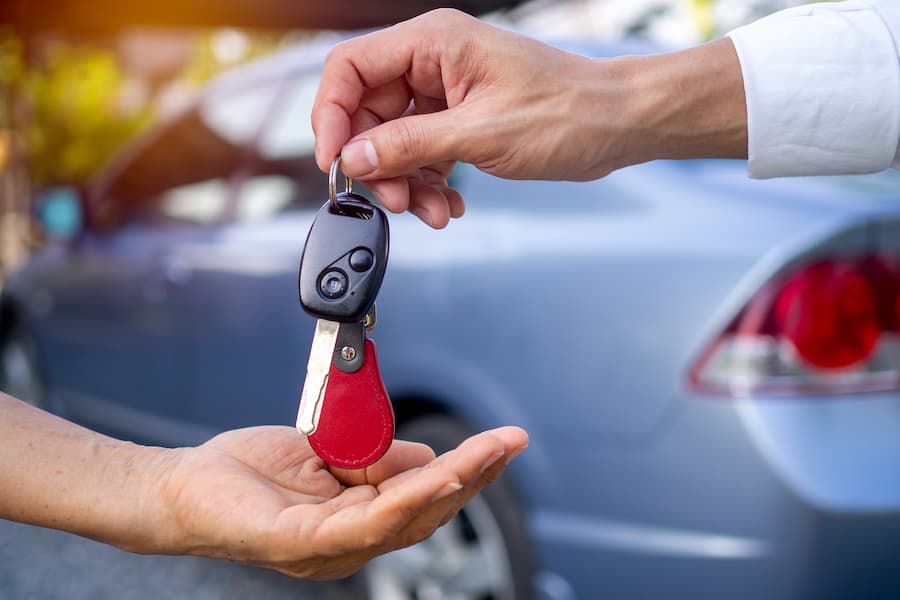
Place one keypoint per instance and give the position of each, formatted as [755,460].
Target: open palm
[262,496]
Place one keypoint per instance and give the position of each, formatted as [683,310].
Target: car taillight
[827,327]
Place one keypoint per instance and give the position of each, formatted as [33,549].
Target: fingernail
[448,490]
[491,461]
[358,158]
[423,214]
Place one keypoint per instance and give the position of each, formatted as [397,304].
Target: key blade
[317,369]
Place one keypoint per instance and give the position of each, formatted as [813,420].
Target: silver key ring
[332,183]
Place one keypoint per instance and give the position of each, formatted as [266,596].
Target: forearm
[56,474]
[686,104]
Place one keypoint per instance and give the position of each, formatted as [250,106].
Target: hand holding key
[402,104]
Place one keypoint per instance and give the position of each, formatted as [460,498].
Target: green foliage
[74,106]
[204,64]
[76,117]
[10,73]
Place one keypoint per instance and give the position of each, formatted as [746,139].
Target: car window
[289,134]
[184,174]
[262,196]
[283,174]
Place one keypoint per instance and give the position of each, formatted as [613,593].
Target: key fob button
[361,260]
[333,284]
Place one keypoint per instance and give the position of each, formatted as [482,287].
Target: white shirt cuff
[823,89]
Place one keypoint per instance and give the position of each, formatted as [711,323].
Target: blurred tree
[14,228]
[702,13]
[221,49]
[76,115]
[75,105]
[10,74]
[65,107]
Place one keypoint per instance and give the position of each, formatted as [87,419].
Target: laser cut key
[344,408]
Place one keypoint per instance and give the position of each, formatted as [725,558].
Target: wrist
[686,104]
[136,515]
[153,519]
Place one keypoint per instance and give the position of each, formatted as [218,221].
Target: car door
[123,303]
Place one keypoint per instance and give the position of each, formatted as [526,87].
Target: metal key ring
[332,183]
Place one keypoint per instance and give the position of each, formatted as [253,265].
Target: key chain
[344,407]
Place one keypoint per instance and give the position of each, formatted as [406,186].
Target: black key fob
[344,259]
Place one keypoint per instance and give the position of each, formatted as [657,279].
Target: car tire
[482,554]
[20,372]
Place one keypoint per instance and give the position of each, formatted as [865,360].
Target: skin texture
[258,495]
[402,105]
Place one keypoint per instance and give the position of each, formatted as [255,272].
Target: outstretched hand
[444,87]
[401,105]
[262,496]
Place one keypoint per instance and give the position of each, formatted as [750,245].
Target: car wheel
[20,374]
[482,554]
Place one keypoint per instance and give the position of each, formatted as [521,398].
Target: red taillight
[828,310]
[829,326]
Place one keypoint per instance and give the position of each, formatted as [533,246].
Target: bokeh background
[77,81]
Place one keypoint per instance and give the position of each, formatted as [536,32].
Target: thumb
[401,146]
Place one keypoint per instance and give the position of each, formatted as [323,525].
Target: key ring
[332,183]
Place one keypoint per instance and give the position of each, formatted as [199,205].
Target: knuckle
[408,140]
[443,14]
[337,53]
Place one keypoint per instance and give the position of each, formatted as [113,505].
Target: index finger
[351,68]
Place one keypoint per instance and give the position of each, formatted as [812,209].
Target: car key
[344,408]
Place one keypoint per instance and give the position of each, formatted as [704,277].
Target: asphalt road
[42,564]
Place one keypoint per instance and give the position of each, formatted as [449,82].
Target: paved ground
[42,564]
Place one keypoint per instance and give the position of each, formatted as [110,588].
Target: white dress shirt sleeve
[823,89]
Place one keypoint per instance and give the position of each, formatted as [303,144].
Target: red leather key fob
[356,425]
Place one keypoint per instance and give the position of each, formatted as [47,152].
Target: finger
[407,511]
[407,456]
[438,172]
[515,439]
[436,176]
[446,509]
[366,62]
[356,494]
[380,105]
[393,193]
[455,202]
[406,144]
[490,474]
[428,203]
[475,455]
[423,104]
[371,525]
[402,456]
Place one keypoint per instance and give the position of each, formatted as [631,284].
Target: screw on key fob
[345,411]
[344,259]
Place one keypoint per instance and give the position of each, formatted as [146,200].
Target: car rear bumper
[758,498]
